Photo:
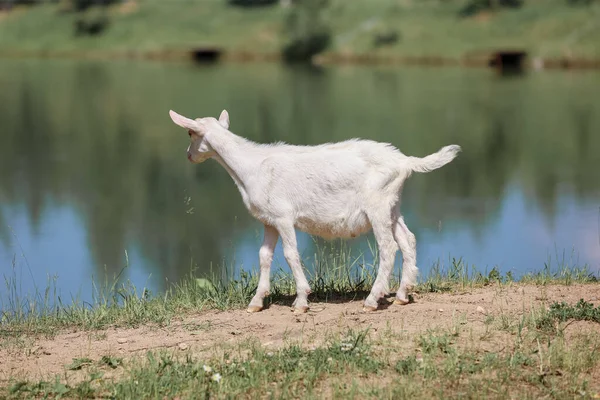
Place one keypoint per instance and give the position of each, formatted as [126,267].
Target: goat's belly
[331,228]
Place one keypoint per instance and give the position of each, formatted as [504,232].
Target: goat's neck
[236,155]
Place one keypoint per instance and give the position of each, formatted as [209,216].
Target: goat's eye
[190,133]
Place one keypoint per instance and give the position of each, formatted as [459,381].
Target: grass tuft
[563,312]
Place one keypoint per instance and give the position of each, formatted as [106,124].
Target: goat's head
[199,129]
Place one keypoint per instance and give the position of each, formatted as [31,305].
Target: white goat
[332,190]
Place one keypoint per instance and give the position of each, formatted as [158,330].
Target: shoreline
[325,59]
[122,304]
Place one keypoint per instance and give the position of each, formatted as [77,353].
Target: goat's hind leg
[266,258]
[408,245]
[387,253]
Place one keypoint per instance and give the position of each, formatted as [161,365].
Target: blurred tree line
[307,24]
[76,5]
[472,7]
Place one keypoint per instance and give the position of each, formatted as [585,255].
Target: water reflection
[92,167]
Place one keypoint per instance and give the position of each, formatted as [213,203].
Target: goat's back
[328,188]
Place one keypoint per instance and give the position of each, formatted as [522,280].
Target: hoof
[300,310]
[369,308]
[402,302]
[253,309]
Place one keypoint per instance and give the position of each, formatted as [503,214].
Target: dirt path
[41,358]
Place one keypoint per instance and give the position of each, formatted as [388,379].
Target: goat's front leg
[387,253]
[290,251]
[266,258]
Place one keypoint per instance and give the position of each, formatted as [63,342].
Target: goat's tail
[433,161]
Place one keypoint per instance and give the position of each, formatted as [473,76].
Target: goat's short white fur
[332,190]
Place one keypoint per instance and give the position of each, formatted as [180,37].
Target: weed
[433,343]
[79,363]
[407,365]
[562,312]
[110,361]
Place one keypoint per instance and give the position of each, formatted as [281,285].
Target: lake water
[94,175]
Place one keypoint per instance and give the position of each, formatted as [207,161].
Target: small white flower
[269,354]
[216,377]
[346,346]
[207,369]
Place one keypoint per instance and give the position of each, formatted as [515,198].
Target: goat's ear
[224,119]
[184,122]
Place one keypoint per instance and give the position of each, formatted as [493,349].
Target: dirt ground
[41,358]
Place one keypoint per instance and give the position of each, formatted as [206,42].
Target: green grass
[338,277]
[440,364]
[544,28]
[531,355]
